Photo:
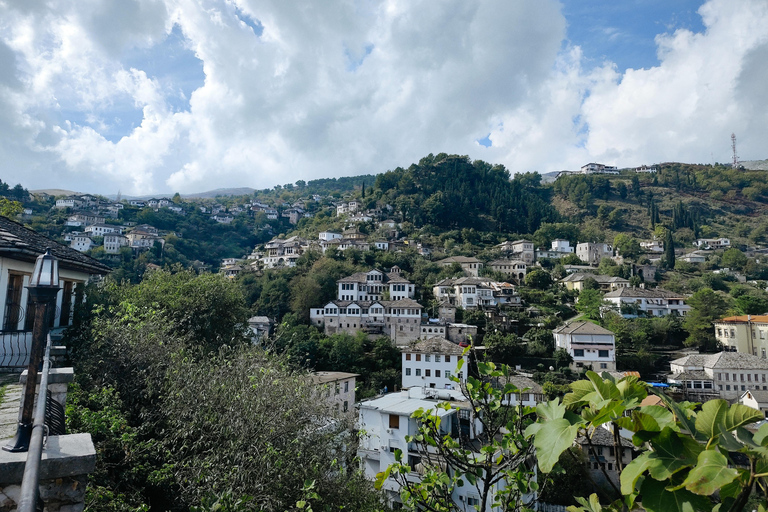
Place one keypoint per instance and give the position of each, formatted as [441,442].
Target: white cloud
[348,87]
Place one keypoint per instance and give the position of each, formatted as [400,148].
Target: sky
[161,96]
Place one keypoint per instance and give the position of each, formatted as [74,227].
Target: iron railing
[28,498]
[15,348]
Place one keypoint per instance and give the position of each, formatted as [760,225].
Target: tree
[590,303]
[687,454]
[539,279]
[706,307]
[10,208]
[497,471]
[627,246]
[503,348]
[562,358]
[669,250]
[752,305]
[733,258]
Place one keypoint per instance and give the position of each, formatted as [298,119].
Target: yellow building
[746,333]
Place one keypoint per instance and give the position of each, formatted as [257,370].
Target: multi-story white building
[590,345]
[559,249]
[593,168]
[746,333]
[70,202]
[337,388]
[81,243]
[576,281]
[465,292]
[113,242]
[592,253]
[516,269]
[328,235]
[520,249]
[728,373]
[633,302]
[283,253]
[652,246]
[102,229]
[431,363]
[372,285]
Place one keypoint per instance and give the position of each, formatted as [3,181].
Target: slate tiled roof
[21,243]
[723,360]
[581,328]
[436,345]
[760,319]
[458,259]
[600,278]
[644,293]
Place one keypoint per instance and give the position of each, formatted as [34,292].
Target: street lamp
[43,287]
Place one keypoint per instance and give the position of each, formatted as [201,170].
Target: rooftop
[744,318]
[436,345]
[458,259]
[723,360]
[582,328]
[324,377]
[21,243]
[645,293]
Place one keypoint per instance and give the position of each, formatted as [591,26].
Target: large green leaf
[671,453]
[605,390]
[761,436]
[710,474]
[739,415]
[711,417]
[662,415]
[552,439]
[656,498]
[632,472]
[579,390]
[551,410]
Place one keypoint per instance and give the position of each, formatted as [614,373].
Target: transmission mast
[735,156]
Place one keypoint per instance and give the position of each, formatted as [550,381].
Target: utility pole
[735,156]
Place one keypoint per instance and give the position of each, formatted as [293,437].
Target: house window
[603,366]
[437,373]
[418,357]
[13,302]
[407,372]
[426,358]
[337,388]
[418,372]
[579,352]
[602,353]
[473,502]
[346,386]
[346,406]
[437,358]
[447,374]
[394,421]
[448,358]
[427,373]
[407,357]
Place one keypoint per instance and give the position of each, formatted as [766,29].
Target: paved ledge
[55,376]
[63,456]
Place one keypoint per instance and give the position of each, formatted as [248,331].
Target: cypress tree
[669,250]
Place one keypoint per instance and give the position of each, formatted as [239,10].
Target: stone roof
[357,277]
[436,345]
[723,360]
[469,281]
[600,278]
[521,382]
[581,328]
[458,259]
[644,293]
[690,375]
[259,320]
[324,377]
[402,303]
[507,262]
[603,437]
[21,243]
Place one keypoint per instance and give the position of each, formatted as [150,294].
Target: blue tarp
[658,385]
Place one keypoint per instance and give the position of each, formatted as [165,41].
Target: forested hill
[450,191]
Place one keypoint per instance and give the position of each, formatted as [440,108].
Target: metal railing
[30,481]
[15,348]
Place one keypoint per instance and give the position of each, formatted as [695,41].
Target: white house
[712,243]
[102,229]
[594,168]
[590,345]
[431,363]
[471,266]
[328,235]
[283,253]
[113,242]
[633,302]
[520,249]
[19,247]
[69,202]
[513,268]
[466,292]
[559,248]
[693,257]
[81,243]
[592,253]
[652,246]
[756,400]
[337,388]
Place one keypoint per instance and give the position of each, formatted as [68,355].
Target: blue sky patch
[485,141]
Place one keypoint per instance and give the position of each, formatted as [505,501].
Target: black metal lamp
[43,287]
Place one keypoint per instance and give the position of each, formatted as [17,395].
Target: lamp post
[43,287]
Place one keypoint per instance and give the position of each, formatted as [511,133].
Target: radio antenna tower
[735,156]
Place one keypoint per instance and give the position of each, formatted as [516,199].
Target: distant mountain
[237,191]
